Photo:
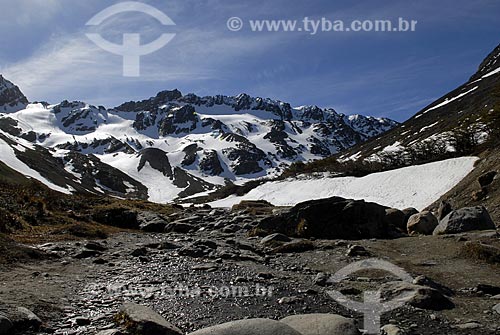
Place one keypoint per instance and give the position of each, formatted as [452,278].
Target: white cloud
[28,12]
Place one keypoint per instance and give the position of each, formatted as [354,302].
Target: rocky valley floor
[219,274]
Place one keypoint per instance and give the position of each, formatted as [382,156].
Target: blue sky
[45,52]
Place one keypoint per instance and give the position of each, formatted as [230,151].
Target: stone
[415,295]
[391,329]
[145,321]
[82,321]
[139,252]
[468,326]
[425,281]
[5,325]
[23,318]
[357,250]
[409,212]
[396,218]
[321,279]
[496,308]
[276,237]
[249,327]
[487,289]
[331,218]
[486,178]
[465,219]
[422,223]
[443,210]
[321,324]
[151,222]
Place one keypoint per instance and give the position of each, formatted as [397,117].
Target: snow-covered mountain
[172,144]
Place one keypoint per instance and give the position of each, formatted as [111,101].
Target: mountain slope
[464,122]
[172,144]
[466,111]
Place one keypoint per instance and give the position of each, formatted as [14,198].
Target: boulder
[443,210]
[465,219]
[321,324]
[409,212]
[391,330]
[425,281]
[151,222]
[496,308]
[396,218]
[331,218]
[486,178]
[422,223]
[24,319]
[415,295]
[357,250]
[145,321]
[5,325]
[249,327]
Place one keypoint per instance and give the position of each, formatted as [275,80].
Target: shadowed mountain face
[172,144]
[11,97]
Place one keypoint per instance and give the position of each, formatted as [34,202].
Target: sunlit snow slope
[414,186]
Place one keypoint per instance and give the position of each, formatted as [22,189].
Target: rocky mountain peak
[11,97]
[490,63]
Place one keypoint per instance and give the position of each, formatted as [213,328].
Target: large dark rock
[486,178]
[396,218]
[5,325]
[465,219]
[331,218]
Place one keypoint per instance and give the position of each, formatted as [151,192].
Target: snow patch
[414,186]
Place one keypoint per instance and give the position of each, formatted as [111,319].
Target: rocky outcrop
[465,219]
[210,163]
[331,218]
[157,159]
[11,97]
